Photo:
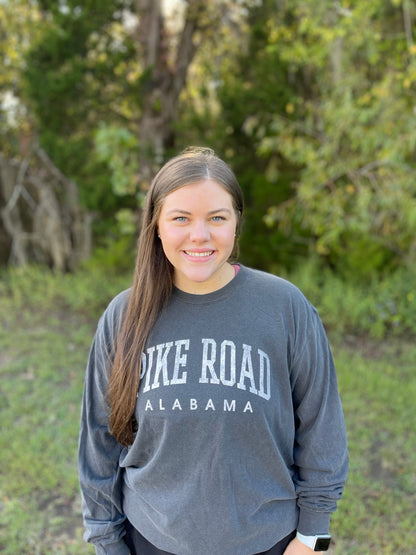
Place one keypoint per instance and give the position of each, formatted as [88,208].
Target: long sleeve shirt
[241,437]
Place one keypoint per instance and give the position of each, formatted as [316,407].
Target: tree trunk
[40,217]
[166,80]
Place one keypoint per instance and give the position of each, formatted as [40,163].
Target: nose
[199,232]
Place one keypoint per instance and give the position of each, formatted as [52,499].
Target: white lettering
[176,405]
[143,369]
[264,386]
[247,370]
[208,362]
[180,360]
[231,380]
[148,365]
[166,364]
[210,405]
[229,406]
[162,364]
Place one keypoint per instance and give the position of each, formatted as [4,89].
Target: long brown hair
[153,278]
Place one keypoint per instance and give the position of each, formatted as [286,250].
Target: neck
[223,277]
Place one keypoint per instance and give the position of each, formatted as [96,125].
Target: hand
[296,547]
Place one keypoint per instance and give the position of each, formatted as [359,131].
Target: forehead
[206,192]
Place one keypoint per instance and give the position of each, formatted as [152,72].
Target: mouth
[193,254]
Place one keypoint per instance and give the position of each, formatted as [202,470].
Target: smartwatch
[320,542]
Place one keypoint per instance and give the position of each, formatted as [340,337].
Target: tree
[104,79]
[128,75]
[102,82]
[76,77]
[348,131]
[40,216]
[250,94]
[40,213]
[243,84]
[167,70]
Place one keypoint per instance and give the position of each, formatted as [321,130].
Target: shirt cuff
[312,523]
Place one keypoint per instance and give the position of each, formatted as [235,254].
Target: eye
[218,219]
[180,219]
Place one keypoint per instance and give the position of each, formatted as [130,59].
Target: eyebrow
[185,212]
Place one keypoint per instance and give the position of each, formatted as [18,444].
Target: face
[197,226]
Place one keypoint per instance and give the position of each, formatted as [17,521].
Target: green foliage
[378,308]
[87,291]
[77,78]
[348,129]
[118,147]
[19,24]
[251,85]
[311,103]
[57,64]
[114,256]
[316,119]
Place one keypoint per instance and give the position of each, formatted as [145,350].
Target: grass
[378,388]
[46,327]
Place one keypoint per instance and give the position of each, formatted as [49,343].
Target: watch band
[320,542]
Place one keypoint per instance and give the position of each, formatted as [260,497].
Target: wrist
[319,542]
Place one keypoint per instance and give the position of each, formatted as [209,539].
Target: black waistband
[139,545]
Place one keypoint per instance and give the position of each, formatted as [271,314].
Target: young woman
[211,421]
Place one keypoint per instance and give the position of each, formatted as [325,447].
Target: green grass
[46,328]
[378,388]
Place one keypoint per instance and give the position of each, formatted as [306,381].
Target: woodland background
[313,105]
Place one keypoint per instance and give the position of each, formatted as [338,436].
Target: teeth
[199,254]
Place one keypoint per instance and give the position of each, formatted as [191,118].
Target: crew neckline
[218,294]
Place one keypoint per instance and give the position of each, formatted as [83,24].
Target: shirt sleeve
[320,450]
[100,474]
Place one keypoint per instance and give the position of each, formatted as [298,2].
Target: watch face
[322,544]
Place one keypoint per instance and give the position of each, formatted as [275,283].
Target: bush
[381,306]
[88,291]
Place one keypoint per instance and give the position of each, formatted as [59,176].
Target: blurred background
[313,105]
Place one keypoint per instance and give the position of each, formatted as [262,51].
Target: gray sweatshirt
[241,437]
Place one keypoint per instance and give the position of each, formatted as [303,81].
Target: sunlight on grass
[378,392]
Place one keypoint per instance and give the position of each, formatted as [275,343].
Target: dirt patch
[62,520]
[375,349]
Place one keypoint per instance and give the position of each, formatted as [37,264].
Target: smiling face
[197,225]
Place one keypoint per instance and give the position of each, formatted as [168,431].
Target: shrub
[380,306]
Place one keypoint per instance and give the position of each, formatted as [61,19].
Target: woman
[211,421]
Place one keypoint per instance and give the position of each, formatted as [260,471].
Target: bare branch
[407,20]
[187,46]
[49,226]
[149,30]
